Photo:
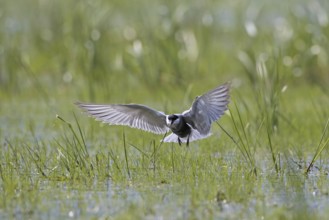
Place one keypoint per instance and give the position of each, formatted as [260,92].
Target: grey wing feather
[132,115]
[208,108]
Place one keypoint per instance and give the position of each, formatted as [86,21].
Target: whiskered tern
[191,125]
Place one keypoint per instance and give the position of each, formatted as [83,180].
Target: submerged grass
[163,54]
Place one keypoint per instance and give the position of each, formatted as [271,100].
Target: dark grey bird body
[191,125]
[181,129]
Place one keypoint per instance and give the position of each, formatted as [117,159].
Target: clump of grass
[321,146]
[74,154]
[275,160]
[39,160]
[75,162]
[9,168]
[268,83]
[243,142]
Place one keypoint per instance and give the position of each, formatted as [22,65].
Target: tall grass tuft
[126,154]
[322,144]
[268,84]
[74,156]
[243,142]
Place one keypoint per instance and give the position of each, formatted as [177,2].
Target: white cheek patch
[167,120]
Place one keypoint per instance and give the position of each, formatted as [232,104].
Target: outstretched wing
[208,108]
[132,115]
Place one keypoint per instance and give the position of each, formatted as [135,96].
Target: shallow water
[163,54]
[288,195]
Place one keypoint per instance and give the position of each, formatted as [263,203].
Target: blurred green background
[123,50]
[53,53]
[163,54]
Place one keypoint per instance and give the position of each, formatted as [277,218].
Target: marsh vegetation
[267,158]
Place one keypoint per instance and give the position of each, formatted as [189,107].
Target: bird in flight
[191,125]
